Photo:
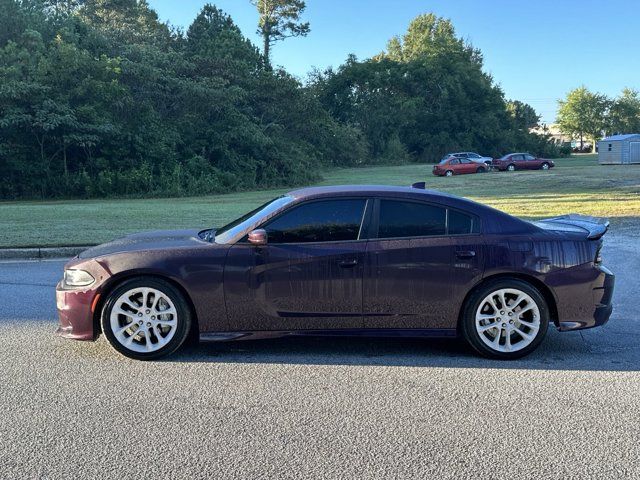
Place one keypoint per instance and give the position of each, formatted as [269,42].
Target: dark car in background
[346,260]
[457,166]
[522,161]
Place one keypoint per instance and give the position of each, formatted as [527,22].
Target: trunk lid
[593,227]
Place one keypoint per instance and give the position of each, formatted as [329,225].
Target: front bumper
[75,313]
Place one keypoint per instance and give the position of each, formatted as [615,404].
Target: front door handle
[348,263]
[465,254]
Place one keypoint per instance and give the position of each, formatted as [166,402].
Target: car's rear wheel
[505,319]
[146,318]
[448,173]
[481,170]
[511,168]
[544,166]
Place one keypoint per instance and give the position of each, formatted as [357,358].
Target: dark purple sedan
[349,260]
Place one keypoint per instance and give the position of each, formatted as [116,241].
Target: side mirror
[258,237]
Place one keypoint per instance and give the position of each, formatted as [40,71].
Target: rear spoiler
[596,227]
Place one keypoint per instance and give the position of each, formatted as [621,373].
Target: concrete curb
[39,253]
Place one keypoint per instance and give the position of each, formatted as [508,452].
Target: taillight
[598,259]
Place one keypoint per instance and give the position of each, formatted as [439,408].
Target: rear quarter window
[462,223]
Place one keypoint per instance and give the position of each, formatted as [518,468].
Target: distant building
[553,130]
[619,149]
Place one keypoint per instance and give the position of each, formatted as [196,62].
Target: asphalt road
[313,408]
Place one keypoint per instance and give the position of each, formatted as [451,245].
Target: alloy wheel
[143,319]
[507,320]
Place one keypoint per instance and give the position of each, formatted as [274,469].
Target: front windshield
[233,229]
[506,156]
[444,160]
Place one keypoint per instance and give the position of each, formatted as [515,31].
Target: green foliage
[523,115]
[426,95]
[583,113]
[98,98]
[280,19]
[624,115]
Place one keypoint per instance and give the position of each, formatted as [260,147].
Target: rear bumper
[75,313]
[600,317]
[601,295]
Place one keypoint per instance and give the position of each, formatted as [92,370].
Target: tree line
[99,98]
[590,115]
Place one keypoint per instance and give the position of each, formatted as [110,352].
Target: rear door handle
[348,263]
[465,254]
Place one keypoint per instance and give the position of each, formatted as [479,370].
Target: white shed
[619,149]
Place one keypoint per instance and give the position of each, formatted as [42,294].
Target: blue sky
[536,50]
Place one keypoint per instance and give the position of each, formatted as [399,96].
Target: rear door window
[400,219]
[406,219]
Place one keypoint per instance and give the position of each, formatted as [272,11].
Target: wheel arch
[546,292]
[116,281]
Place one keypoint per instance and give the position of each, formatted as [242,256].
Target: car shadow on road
[559,351]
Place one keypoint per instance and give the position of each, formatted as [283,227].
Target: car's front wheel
[146,318]
[481,170]
[511,168]
[448,173]
[545,166]
[505,319]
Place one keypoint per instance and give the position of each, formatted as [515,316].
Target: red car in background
[522,161]
[457,166]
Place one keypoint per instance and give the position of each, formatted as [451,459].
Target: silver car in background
[474,157]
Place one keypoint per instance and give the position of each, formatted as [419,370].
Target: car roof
[385,191]
[361,190]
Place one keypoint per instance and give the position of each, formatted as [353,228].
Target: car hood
[154,240]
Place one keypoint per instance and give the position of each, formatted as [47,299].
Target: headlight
[77,278]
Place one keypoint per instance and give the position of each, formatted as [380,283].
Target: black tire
[511,168]
[544,166]
[183,317]
[448,173]
[480,170]
[468,325]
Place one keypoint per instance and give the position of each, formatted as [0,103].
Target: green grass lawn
[577,185]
